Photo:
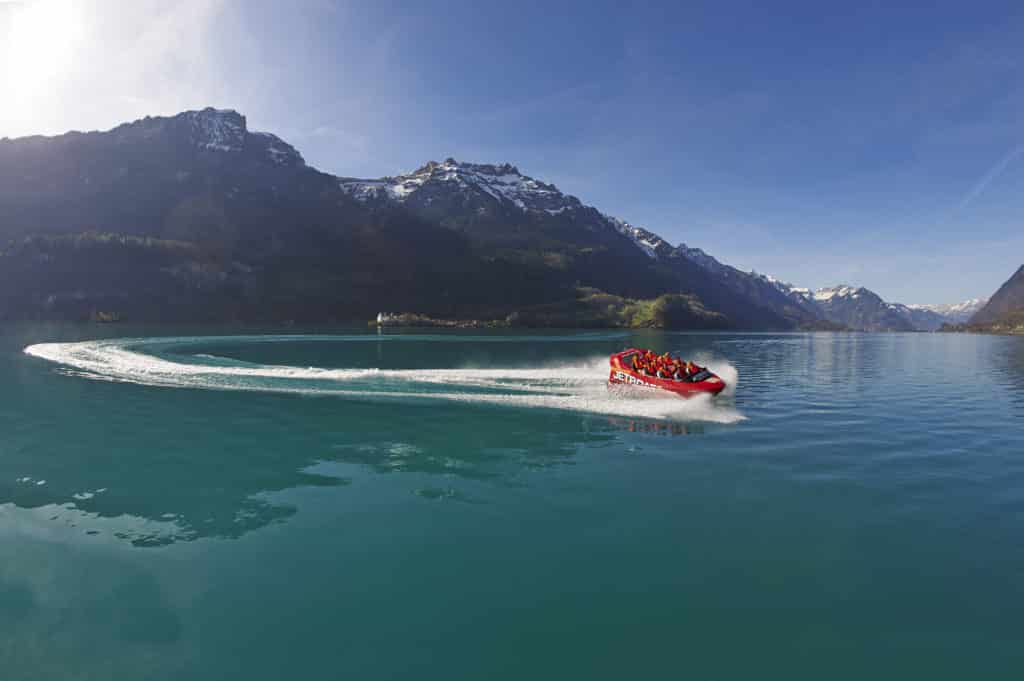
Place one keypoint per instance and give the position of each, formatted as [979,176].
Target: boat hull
[622,373]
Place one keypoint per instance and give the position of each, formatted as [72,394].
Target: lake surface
[184,505]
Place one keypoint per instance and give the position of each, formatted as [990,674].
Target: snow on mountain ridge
[946,309]
[502,182]
[508,186]
[842,291]
[702,258]
[505,183]
[649,242]
[277,150]
[217,129]
[221,131]
[798,294]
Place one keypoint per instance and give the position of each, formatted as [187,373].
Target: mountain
[954,313]
[922,319]
[195,217]
[861,309]
[1005,309]
[527,220]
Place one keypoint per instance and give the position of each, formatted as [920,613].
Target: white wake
[579,386]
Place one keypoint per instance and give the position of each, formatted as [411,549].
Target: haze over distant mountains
[194,217]
[955,312]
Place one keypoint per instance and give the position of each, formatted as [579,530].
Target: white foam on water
[726,371]
[581,386]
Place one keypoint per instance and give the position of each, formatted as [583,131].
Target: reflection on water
[1009,361]
[142,509]
[875,476]
[153,467]
[181,477]
[68,612]
[658,427]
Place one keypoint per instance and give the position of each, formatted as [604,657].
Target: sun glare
[41,45]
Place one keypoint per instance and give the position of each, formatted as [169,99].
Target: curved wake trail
[575,387]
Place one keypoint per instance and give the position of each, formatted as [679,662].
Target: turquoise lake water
[197,504]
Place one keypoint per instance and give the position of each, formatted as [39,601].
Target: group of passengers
[664,366]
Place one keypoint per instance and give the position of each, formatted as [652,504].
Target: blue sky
[823,144]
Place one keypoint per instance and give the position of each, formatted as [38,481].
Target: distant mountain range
[862,309]
[527,220]
[955,312]
[455,193]
[194,217]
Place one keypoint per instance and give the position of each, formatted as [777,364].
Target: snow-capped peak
[224,130]
[954,312]
[649,242]
[502,182]
[841,291]
[967,306]
[797,293]
[217,129]
[702,258]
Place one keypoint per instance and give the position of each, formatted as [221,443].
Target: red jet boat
[622,372]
